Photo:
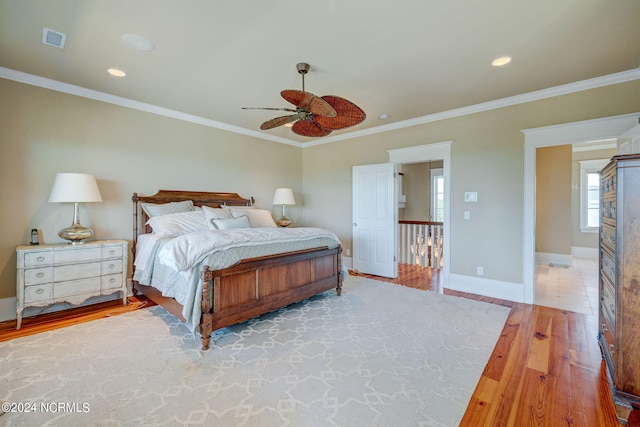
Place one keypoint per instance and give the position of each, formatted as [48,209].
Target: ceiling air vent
[53,38]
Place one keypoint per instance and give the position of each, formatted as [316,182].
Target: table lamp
[283,197]
[75,188]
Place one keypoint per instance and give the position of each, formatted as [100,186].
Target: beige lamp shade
[75,188]
[284,197]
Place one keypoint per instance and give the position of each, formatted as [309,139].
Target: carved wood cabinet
[619,312]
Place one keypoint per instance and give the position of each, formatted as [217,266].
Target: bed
[234,267]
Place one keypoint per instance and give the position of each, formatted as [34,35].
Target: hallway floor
[574,288]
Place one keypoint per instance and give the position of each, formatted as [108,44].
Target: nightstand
[49,274]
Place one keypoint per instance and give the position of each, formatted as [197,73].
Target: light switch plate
[471,196]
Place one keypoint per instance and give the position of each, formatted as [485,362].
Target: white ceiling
[409,59]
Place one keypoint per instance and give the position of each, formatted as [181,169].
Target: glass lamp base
[75,234]
[283,222]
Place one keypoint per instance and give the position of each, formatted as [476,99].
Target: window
[590,194]
[437,195]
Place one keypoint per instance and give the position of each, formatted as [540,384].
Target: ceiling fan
[314,116]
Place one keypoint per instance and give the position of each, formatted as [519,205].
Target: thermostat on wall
[471,196]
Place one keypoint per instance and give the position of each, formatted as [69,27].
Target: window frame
[587,167]
[436,173]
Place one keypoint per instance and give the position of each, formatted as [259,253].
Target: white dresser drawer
[38,294]
[34,259]
[111,266]
[113,281]
[36,276]
[73,256]
[77,271]
[112,251]
[63,290]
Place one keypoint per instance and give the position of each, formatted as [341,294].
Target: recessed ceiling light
[383,116]
[499,62]
[116,72]
[138,42]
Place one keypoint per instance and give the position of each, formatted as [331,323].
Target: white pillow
[230,223]
[154,209]
[259,218]
[172,225]
[215,213]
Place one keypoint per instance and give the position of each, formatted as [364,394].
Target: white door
[375,219]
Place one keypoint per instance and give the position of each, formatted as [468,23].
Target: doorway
[440,151]
[569,133]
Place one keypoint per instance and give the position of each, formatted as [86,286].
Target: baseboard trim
[348,262]
[487,287]
[8,309]
[550,258]
[584,252]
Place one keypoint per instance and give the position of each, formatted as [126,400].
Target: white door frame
[425,153]
[550,136]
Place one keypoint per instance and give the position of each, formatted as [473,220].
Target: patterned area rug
[380,354]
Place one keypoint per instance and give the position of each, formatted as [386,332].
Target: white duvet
[187,251]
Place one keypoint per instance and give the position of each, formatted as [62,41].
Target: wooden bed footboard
[260,285]
[257,286]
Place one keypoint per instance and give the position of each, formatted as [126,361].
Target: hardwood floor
[546,368]
[61,319]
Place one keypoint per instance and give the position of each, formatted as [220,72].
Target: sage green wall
[553,200]
[43,132]
[416,186]
[487,156]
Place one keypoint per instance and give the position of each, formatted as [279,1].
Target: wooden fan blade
[349,114]
[278,121]
[309,128]
[309,102]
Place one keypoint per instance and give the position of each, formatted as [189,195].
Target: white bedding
[186,251]
[173,265]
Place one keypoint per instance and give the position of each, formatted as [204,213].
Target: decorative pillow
[154,209]
[229,223]
[259,218]
[172,225]
[215,213]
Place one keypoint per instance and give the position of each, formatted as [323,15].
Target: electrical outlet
[347,252]
[480,270]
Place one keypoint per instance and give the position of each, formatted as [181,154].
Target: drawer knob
[40,275]
[112,280]
[112,266]
[112,252]
[40,258]
[40,291]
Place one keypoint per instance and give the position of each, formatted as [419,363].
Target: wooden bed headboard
[199,198]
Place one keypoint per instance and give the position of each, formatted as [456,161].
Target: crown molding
[607,80]
[58,86]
